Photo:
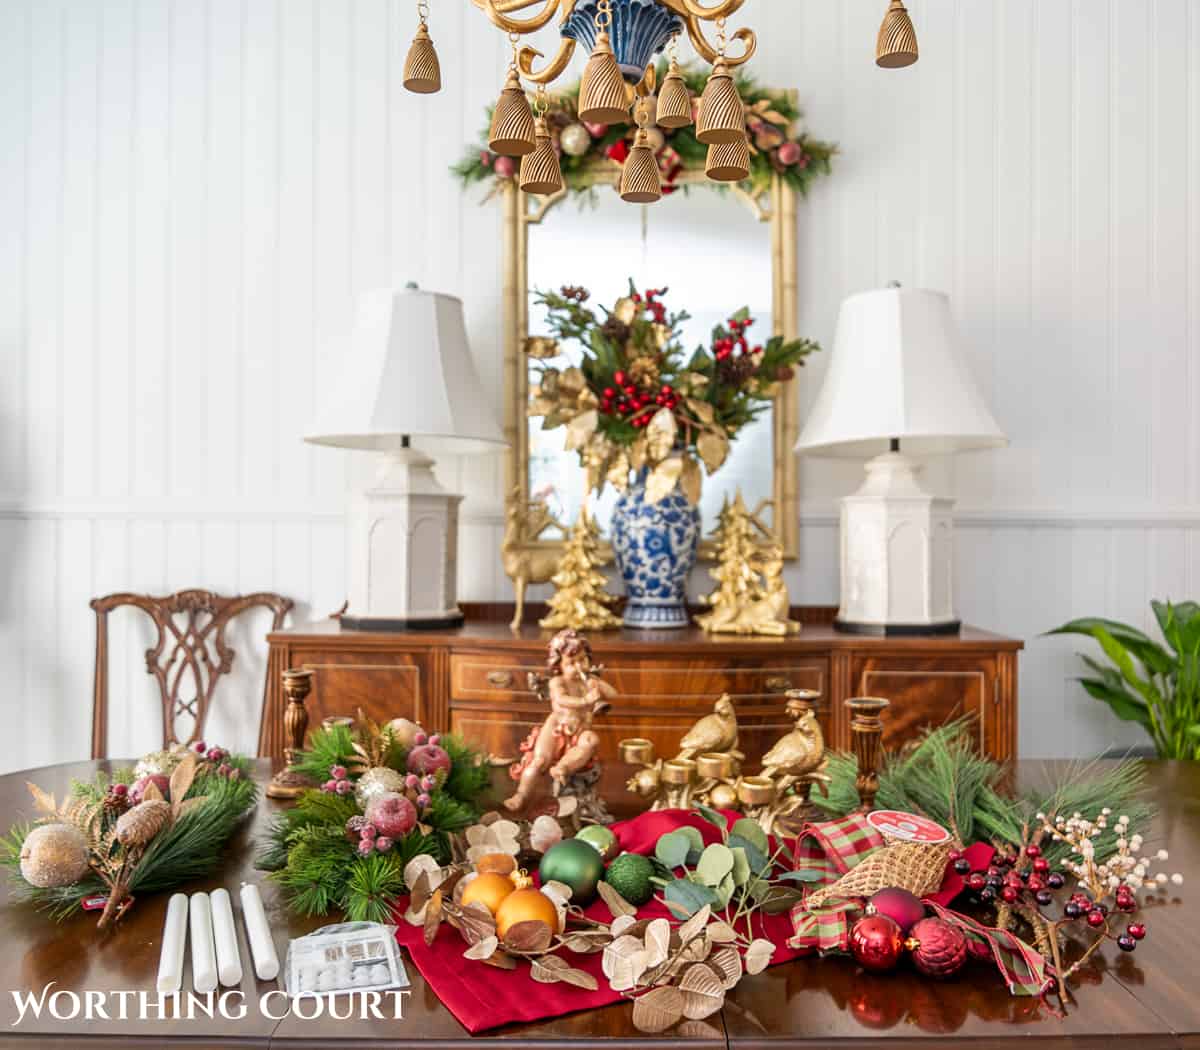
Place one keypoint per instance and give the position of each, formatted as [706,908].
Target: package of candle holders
[347,957]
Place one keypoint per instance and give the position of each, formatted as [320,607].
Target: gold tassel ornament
[603,98]
[512,132]
[674,101]
[722,117]
[540,170]
[896,46]
[728,161]
[640,182]
[422,71]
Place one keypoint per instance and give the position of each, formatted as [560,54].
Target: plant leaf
[671,850]
[617,904]
[713,447]
[715,863]
[752,832]
[711,815]
[758,955]
[720,932]
[532,935]
[475,923]
[580,429]
[181,782]
[151,793]
[702,410]
[691,481]
[658,942]
[660,435]
[662,479]
[433,917]
[690,898]
[695,924]
[658,1009]
[729,962]
[703,992]
[482,949]
[43,800]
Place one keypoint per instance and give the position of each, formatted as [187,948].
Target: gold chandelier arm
[709,53]
[527,55]
[722,10]
[648,82]
[492,8]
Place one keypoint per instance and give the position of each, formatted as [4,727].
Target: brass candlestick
[866,730]
[287,783]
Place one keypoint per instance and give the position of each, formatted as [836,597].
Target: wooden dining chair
[189,648]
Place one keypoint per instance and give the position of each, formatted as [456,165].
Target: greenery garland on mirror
[138,830]
[389,793]
[776,147]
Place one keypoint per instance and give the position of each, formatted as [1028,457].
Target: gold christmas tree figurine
[580,600]
[750,596]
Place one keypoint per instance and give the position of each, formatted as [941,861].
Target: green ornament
[630,876]
[599,837]
[576,864]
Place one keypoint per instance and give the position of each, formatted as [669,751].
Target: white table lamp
[897,384]
[408,374]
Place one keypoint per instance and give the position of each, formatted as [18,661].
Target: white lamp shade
[896,372]
[408,373]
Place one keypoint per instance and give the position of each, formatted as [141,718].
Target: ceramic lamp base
[896,630]
[392,623]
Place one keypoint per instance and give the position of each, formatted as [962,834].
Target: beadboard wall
[192,192]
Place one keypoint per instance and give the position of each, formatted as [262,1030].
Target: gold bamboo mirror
[716,251]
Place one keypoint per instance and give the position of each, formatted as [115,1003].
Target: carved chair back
[188,658]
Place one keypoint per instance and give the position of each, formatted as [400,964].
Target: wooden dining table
[1149,998]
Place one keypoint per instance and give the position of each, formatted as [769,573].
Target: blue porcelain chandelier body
[640,30]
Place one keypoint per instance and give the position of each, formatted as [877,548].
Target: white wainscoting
[193,191]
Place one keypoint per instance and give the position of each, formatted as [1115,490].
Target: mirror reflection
[712,253]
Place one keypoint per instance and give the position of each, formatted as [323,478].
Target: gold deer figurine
[522,564]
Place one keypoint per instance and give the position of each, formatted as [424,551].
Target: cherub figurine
[565,744]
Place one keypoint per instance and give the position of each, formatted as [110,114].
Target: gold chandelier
[619,80]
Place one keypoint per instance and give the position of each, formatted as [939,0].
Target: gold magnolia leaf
[662,479]
[625,310]
[621,948]
[501,960]
[621,924]
[729,962]
[658,1009]
[181,782]
[546,968]
[480,950]
[587,942]
[581,428]
[422,890]
[637,454]
[571,382]
[618,472]
[658,942]
[691,481]
[617,904]
[476,923]
[703,993]
[660,435]
[540,406]
[713,447]
[532,935]
[702,410]
[541,347]
[42,800]
[433,917]
[758,955]
[151,793]
[627,970]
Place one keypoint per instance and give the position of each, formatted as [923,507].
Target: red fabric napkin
[483,997]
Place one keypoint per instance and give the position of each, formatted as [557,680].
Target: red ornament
[939,948]
[876,943]
[902,907]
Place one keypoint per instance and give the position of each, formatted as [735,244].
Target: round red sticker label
[908,827]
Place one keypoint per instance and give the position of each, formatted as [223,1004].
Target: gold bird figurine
[715,732]
[799,752]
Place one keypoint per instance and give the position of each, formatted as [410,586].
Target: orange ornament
[490,890]
[524,906]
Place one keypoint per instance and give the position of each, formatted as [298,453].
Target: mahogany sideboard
[472,680]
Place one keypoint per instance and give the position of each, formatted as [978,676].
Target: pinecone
[117,804]
[615,330]
[143,822]
[576,293]
[734,371]
[643,372]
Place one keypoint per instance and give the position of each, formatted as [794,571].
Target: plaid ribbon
[832,848]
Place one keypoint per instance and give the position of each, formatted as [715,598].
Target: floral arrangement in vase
[643,414]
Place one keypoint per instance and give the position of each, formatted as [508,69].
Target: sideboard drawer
[504,676]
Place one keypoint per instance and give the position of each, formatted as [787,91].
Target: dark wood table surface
[1150,997]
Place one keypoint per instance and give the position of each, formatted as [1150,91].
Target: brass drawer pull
[502,679]
[778,684]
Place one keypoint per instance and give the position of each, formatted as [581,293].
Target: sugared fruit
[391,814]
[54,855]
[489,889]
[428,758]
[137,790]
[525,906]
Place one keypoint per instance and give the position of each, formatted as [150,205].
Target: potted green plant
[1157,687]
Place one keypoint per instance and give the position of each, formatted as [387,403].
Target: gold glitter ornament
[158,763]
[54,855]
[379,780]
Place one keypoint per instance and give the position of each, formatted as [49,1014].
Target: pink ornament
[338,772]
[412,781]
[366,847]
[485,158]
[199,747]
[392,814]
[902,907]
[504,167]
[383,844]
[424,801]
[789,153]
[428,758]
[596,130]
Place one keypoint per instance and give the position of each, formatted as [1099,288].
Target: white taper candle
[174,939]
[229,960]
[204,954]
[262,947]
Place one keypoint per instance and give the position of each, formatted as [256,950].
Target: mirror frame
[775,205]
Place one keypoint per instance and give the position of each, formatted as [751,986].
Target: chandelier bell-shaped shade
[722,117]
[603,98]
[540,170]
[422,71]
[896,45]
[512,133]
[674,100]
[640,180]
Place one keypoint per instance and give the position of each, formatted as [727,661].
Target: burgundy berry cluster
[625,399]
[724,348]
[1008,879]
[217,756]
